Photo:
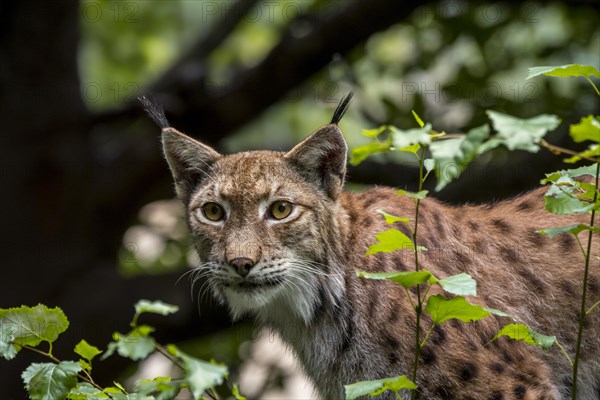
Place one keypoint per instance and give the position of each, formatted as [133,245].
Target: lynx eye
[281,209]
[213,211]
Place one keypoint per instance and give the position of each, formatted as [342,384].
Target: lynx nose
[242,265]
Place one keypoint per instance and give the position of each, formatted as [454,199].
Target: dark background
[79,160]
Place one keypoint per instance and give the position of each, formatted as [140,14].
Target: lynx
[280,240]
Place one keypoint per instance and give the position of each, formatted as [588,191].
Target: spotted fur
[345,329]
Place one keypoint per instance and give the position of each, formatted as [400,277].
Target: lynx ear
[189,160]
[321,158]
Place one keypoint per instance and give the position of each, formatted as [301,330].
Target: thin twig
[419,308]
[165,353]
[561,150]
[451,136]
[50,356]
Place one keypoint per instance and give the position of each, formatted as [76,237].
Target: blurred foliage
[126,44]
[449,61]
[159,243]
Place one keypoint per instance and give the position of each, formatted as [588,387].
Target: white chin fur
[249,302]
[274,304]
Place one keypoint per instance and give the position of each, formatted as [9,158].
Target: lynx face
[258,220]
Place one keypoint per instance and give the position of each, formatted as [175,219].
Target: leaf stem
[564,352]
[134,320]
[427,291]
[427,335]
[592,83]
[412,303]
[592,307]
[214,394]
[48,355]
[582,312]
[580,246]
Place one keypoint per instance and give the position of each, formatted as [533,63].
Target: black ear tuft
[154,111]
[340,110]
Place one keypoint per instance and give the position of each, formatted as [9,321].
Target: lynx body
[280,240]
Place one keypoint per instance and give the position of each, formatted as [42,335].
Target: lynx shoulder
[280,240]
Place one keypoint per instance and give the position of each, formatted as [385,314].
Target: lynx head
[264,223]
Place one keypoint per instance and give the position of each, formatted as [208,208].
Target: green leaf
[568,196]
[50,381]
[564,71]
[413,148]
[86,366]
[461,284]
[373,133]
[406,279]
[375,388]
[119,386]
[499,313]
[390,240]
[131,396]
[360,153]
[574,229]
[236,393]
[200,375]
[135,345]
[447,149]
[396,384]
[418,119]
[562,201]
[560,176]
[587,192]
[147,386]
[162,388]
[593,152]
[113,390]
[85,391]
[526,334]
[452,156]
[402,139]
[419,195]
[390,219]
[7,349]
[155,307]
[442,310]
[587,129]
[429,164]
[29,326]
[86,350]
[520,134]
